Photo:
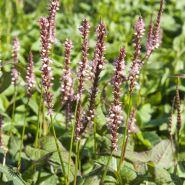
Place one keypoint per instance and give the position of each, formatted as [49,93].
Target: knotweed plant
[153,42]
[67,92]
[115,112]
[15,76]
[30,76]
[47,29]
[47,33]
[30,84]
[178,108]
[15,73]
[84,31]
[46,64]
[81,154]
[98,63]
[53,8]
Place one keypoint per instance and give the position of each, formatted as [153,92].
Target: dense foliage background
[20,18]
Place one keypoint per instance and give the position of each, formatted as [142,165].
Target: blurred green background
[20,18]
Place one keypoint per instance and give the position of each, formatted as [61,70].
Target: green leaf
[127,173]
[48,144]
[35,153]
[11,175]
[162,154]
[92,180]
[103,161]
[162,176]
[5,81]
[145,113]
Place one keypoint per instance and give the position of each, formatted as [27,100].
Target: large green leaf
[48,144]
[35,153]
[162,154]
[5,81]
[11,175]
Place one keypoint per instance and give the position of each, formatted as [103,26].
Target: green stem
[77,163]
[13,110]
[22,136]
[39,124]
[178,128]
[124,143]
[58,148]
[178,132]
[70,150]
[94,126]
[71,143]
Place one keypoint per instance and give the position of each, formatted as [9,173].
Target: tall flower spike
[67,81]
[30,77]
[46,62]
[156,38]
[137,62]
[149,43]
[170,128]
[54,6]
[15,74]
[84,31]
[131,122]
[115,112]
[178,108]
[99,62]
[1,124]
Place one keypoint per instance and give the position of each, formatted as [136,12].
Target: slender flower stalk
[67,92]
[156,38]
[47,27]
[154,35]
[54,6]
[153,42]
[170,128]
[30,77]
[84,31]
[66,79]
[115,112]
[149,43]
[1,124]
[99,62]
[131,122]
[130,129]
[137,62]
[46,64]
[30,82]
[178,108]
[15,74]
